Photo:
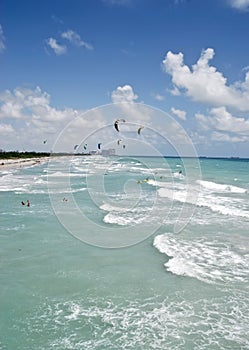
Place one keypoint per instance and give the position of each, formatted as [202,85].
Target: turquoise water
[163,290]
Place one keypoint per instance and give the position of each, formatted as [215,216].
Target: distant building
[108,152]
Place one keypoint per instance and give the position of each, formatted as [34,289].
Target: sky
[179,68]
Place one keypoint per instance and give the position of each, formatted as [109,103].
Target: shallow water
[162,290]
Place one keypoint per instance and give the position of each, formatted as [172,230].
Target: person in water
[28,203]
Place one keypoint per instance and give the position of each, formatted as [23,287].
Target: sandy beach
[21,162]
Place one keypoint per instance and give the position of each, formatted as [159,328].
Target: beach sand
[21,162]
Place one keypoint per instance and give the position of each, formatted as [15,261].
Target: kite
[117,122]
[139,129]
[99,144]
[85,145]
[119,141]
[75,147]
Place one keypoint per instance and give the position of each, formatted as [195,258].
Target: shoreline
[21,162]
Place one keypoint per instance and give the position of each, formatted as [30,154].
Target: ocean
[125,253]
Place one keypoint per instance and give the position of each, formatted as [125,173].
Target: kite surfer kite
[117,122]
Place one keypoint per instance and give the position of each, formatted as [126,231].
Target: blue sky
[188,58]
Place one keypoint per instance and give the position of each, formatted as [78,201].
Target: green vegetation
[16,154]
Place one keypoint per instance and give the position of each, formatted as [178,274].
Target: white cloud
[6,129]
[21,103]
[220,119]
[58,48]
[125,98]
[2,40]
[30,119]
[31,115]
[223,137]
[203,83]
[179,113]
[75,39]
[158,97]
[175,91]
[124,94]
[198,138]
[11,110]
[240,4]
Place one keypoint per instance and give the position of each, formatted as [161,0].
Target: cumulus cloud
[221,120]
[126,98]
[179,113]
[203,83]
[124,94]
[28,117]
[75,39]
[2,40]
[21,102]
[240,4]
[56,47]
[6,129]
[30,114]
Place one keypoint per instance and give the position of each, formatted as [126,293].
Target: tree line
[17,154]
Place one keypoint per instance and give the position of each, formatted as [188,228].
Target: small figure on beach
[64,199]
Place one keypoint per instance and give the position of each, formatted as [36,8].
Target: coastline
[21,162]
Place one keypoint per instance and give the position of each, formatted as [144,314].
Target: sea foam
[208,261]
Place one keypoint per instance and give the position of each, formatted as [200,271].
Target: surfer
[28,203]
